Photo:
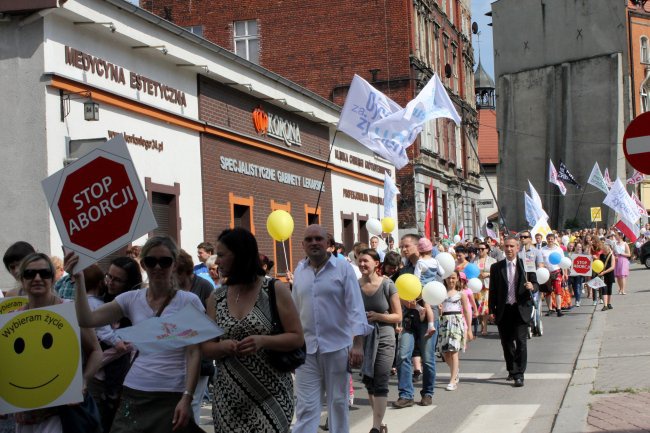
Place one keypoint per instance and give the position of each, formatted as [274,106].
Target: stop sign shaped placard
[581,264]
[636,143]
[96,196]
[98,203]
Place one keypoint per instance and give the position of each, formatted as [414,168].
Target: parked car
[644,254]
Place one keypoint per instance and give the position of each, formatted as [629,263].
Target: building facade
[189,111]
[563,88]
[638,24]
[397,47]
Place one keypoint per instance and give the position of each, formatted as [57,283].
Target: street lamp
[91,110]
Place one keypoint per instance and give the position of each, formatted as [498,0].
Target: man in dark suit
[510,302]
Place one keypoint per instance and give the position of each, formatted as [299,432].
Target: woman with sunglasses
[484,263]
[158,388]
[37,277]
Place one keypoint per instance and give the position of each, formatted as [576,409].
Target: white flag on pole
[596,179]
[390,190]
[529,206]
[619,200]
[401,128]
[552,177]
[363,106]
[537,201]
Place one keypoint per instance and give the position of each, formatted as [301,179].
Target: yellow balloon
[408,286]
[387,224]
[279,224]
[597,266]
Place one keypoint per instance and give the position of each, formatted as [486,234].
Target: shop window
[247,40]
[363,233]
[165,206]
[347,236]
[281,250]
[241,212]
[312,215]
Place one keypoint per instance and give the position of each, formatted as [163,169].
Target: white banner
[596,283]
[541,227]
[390,191]
[619,200]
[363,106]
[401,128]
[185,327]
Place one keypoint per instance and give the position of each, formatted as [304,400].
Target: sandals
[451,386]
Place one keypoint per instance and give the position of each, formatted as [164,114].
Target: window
[197,30]
[644,99]
[247,40]
[348,231]
[644,50]
[363,233]
[445,214]
[78,148]
[165,206]
[241,212]
[281,250]
[434,216]
[312,216]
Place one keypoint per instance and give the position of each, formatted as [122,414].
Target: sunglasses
[30,274]
[524,237]
[483,248]
[111,279]
[151,262]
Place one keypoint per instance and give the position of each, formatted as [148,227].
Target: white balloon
[373,225]
[456,238]
[475,285]
[565,263]
[434,293]
[565,240]
[542,275]
[447,264]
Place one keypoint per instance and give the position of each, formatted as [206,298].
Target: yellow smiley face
[40,356]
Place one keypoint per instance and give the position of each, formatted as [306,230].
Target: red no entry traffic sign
[636,143]
[98,203]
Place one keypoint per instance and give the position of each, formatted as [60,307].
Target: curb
[574,409]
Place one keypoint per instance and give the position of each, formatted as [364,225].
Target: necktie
[511,283]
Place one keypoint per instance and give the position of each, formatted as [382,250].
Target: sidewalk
[610,387]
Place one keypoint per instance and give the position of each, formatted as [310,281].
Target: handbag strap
[166,303]
[273,307]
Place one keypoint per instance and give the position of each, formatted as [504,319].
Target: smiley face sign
[41,361]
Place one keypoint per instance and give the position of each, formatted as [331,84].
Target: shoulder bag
[282,361]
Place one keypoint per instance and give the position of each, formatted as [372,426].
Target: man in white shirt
[555,282]
[328,299]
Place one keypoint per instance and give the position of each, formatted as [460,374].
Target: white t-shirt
[160,371]
[546,253]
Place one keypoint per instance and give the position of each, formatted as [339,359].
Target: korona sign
[98,204]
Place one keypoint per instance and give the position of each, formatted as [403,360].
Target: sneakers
[609,306]
[401,403]
[426,401]
[559,313]
[577,303]
[604,308]
[601,301]
[351,400]
[417,374]
[548,313]
[595,302]
[451,387]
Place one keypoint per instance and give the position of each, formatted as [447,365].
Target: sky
[479,9]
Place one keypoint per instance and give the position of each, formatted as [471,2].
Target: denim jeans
[576,283]
[405,366]
[537,299]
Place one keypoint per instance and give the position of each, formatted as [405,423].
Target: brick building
[638,25]
[397,46]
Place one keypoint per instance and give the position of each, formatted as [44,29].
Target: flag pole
[580,202]
[322,183]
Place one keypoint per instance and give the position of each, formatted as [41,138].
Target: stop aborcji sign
[636,143]
[98,203]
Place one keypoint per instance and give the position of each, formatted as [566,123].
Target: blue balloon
[555,258]
[471,271]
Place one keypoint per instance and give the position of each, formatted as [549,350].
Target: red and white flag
[642,210]
[552,177]
[429,215]
[607,178]
[629,229]
[445,234]
[461,231]
[637,177]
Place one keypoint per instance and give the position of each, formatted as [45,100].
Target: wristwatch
[190,394]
